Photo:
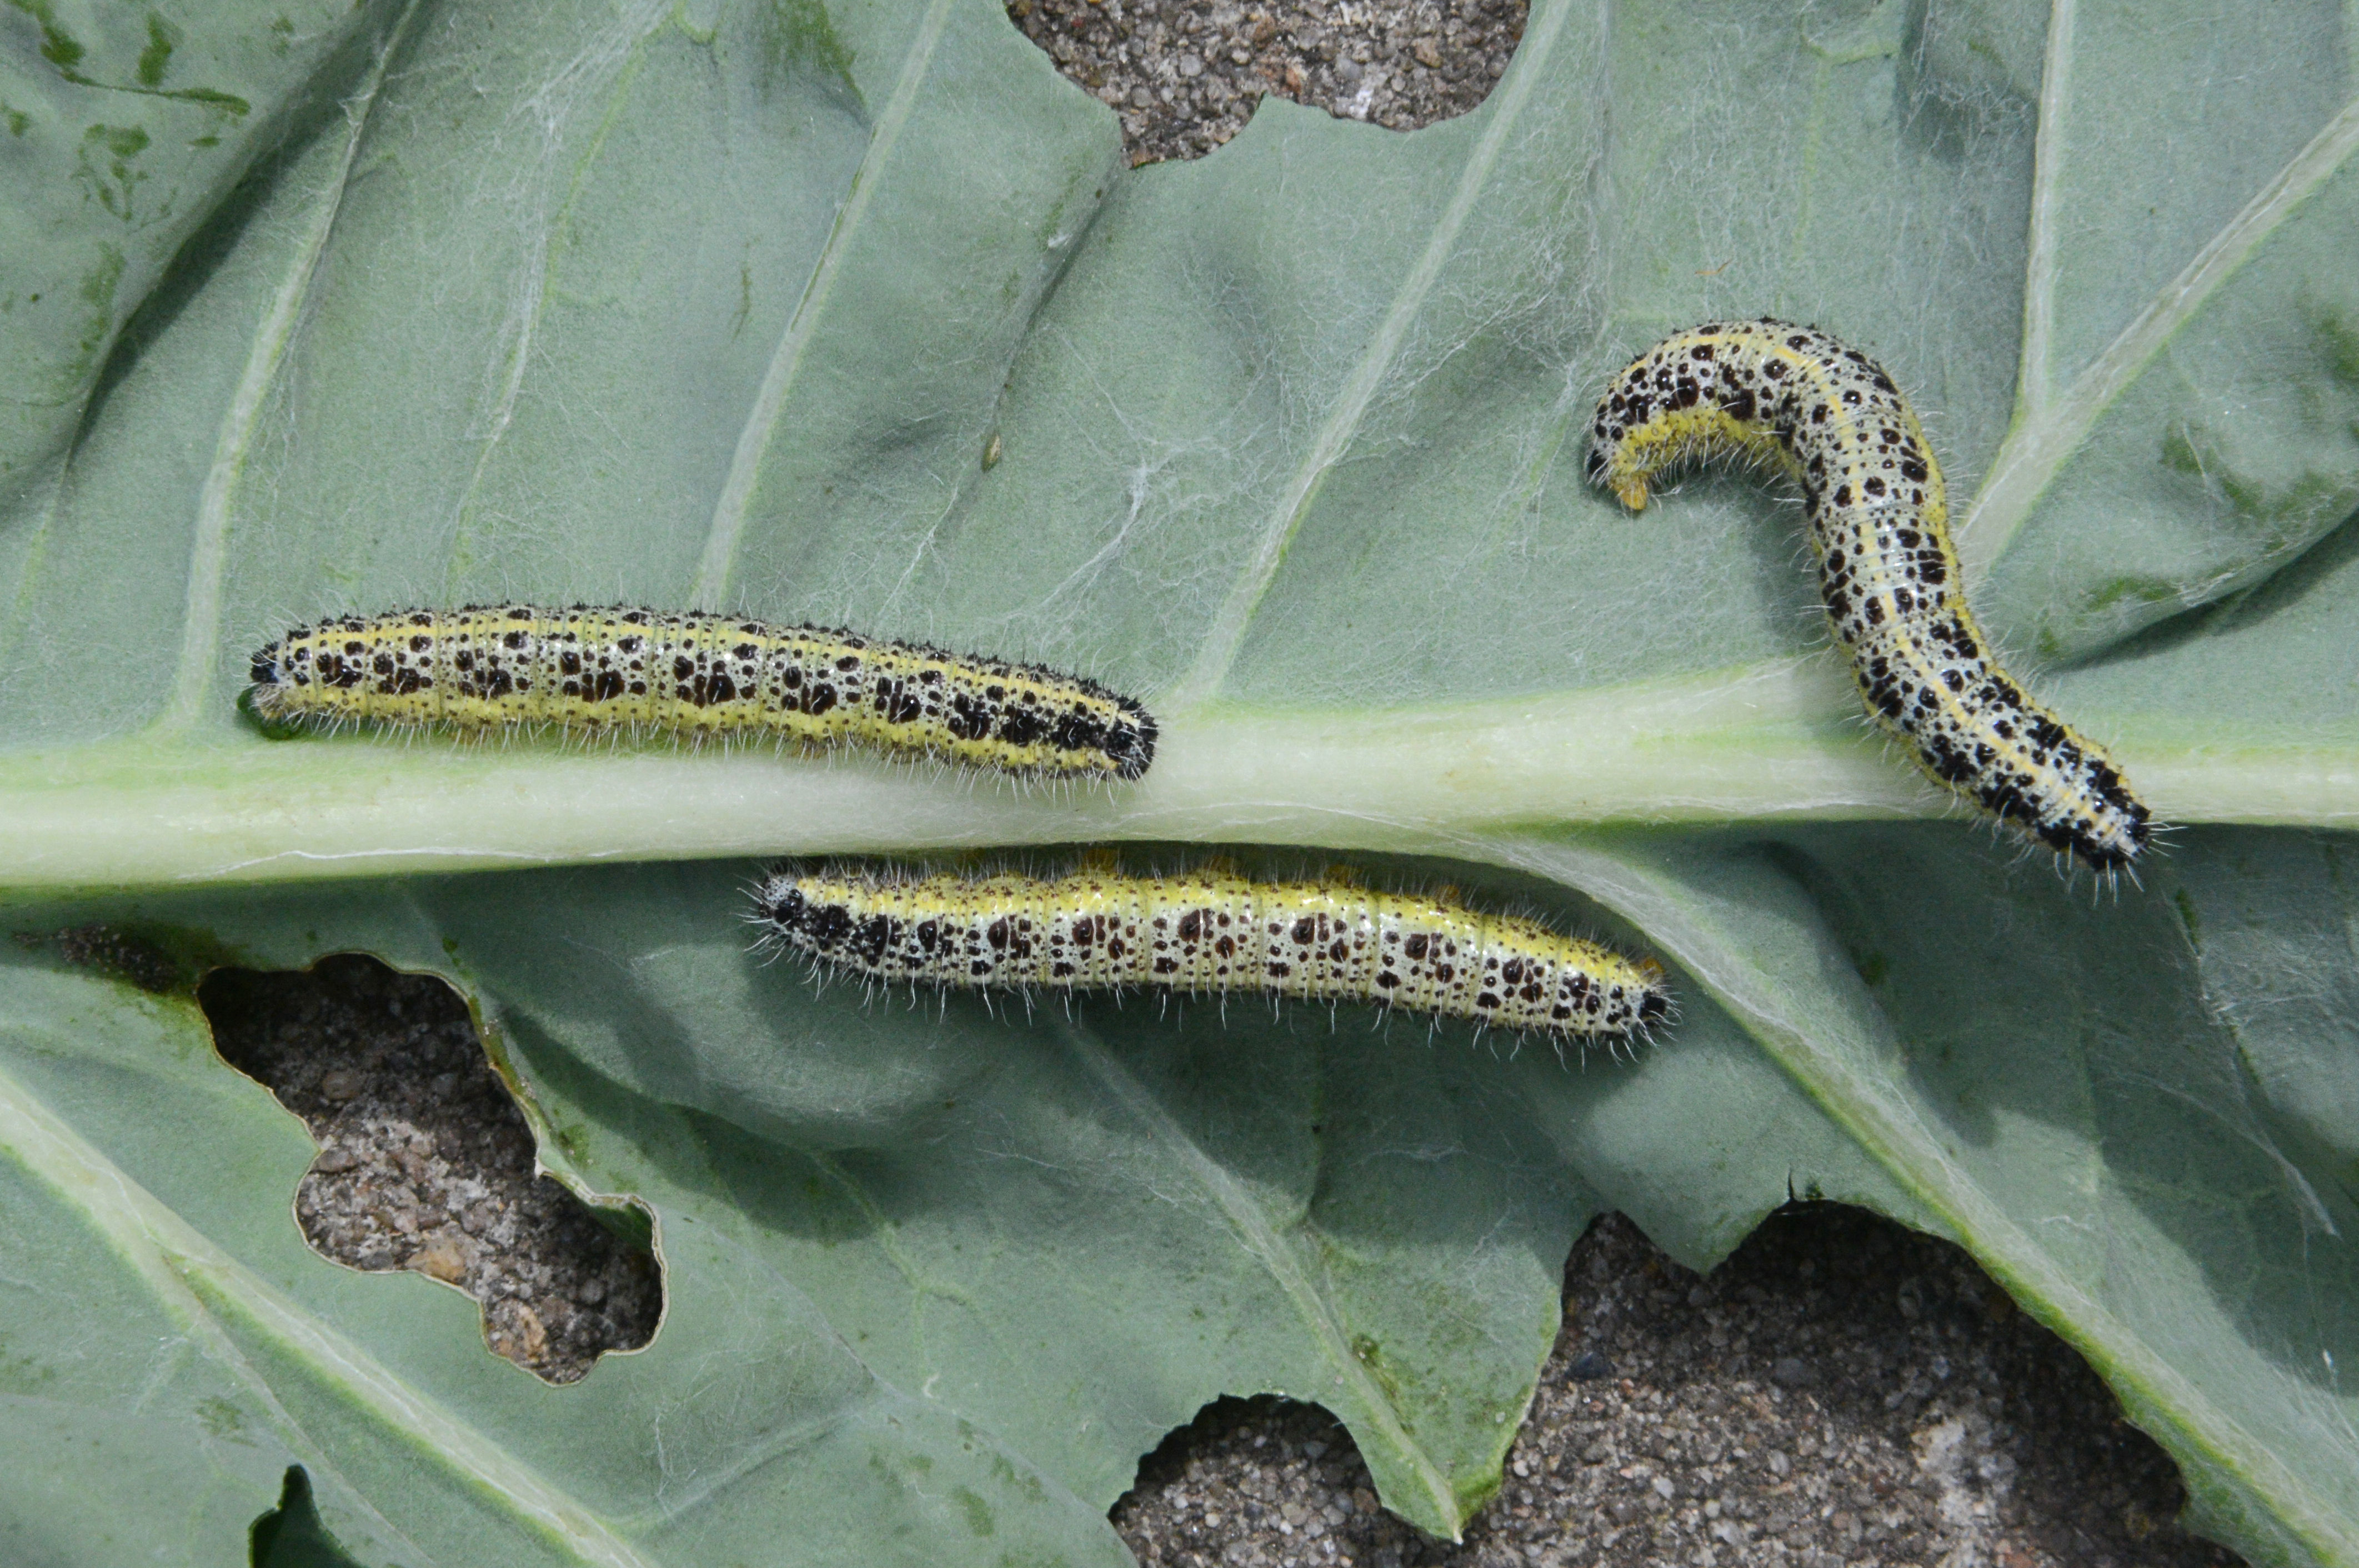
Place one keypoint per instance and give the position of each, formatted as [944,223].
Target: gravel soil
[426,1162]
[1841,1393]
[1185,74]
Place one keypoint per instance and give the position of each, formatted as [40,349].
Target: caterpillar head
[264,702]
[1130,741]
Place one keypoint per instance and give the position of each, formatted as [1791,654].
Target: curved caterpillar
[1879,525]
[696,676]
[1212,932]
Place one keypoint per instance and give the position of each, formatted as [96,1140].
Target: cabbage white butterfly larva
[1879,525]
[1211,930]
[693,677]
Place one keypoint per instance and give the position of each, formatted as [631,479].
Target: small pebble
[441,1258]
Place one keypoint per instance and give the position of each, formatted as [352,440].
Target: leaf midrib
[1776,741]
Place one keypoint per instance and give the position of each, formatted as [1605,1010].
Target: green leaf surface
[120,134]
[228,1350]
[721,304]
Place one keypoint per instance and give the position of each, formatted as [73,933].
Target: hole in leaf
[1842,1390]
[290,1535]
[1185,75]
[426,1162]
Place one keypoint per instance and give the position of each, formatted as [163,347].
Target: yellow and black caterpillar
[1212,931]
[1879,524]
[695,677]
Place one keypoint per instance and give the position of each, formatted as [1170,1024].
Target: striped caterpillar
[1211,930]
[510,666]
[1879,525]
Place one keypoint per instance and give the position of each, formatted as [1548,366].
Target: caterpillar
[695,677]
[1878,520]
[1211,931]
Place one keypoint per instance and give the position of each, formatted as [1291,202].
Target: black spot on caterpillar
[694,677]
[1879,525]
[1212,932]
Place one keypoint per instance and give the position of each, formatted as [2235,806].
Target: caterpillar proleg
[695,677]
[1212,932]
[1879,526]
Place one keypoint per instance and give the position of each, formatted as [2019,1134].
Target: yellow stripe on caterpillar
[695,677]
[1212,931]
[1878,519]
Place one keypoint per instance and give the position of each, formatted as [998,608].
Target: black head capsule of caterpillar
[1888,577]
[262,701]
[1131,741]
